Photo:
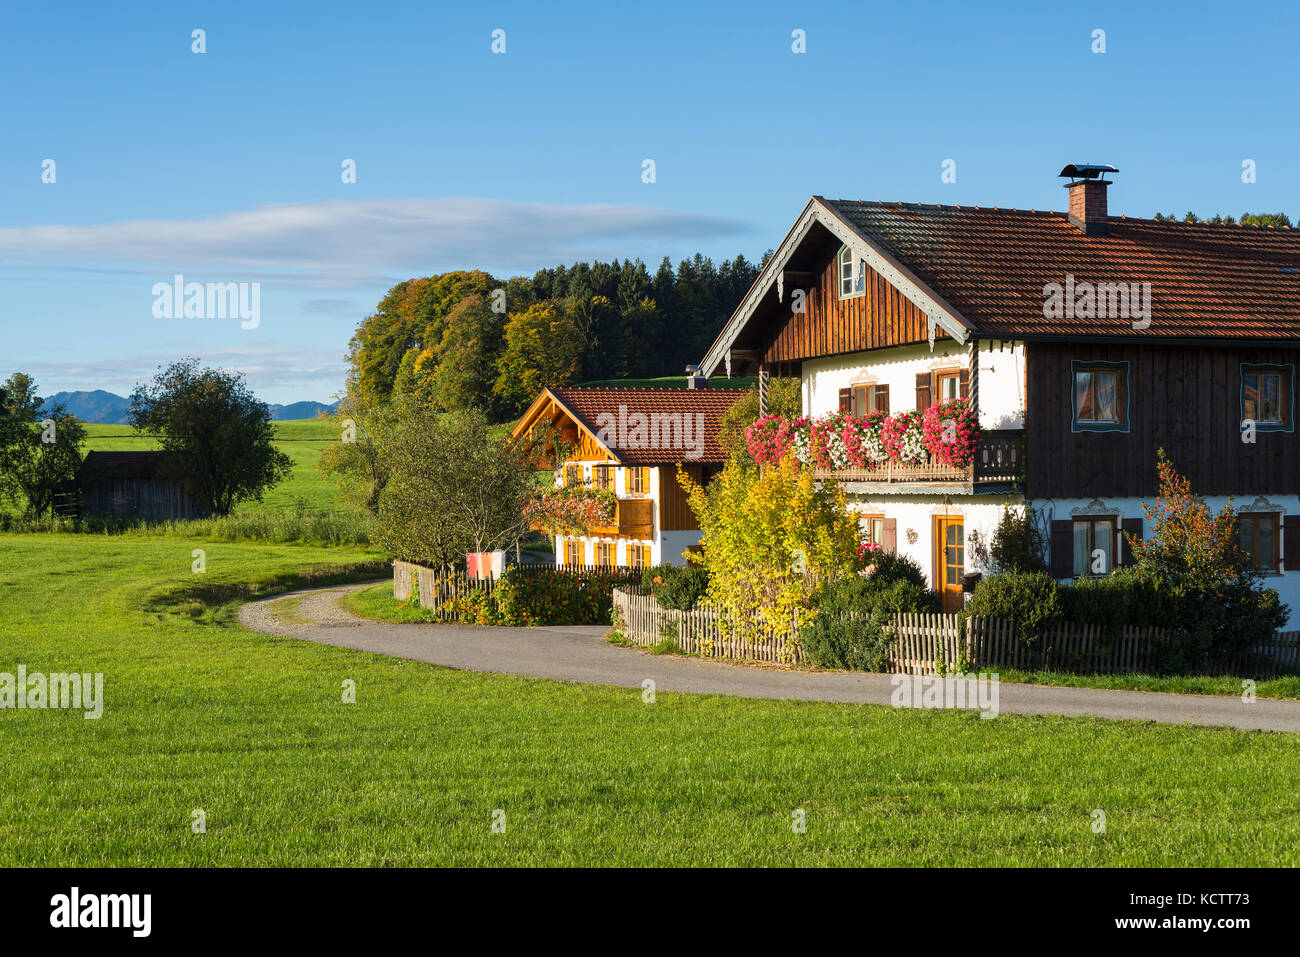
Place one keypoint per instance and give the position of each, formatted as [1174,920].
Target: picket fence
[928,643]
[438,586]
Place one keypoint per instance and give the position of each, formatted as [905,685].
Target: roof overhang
[939,313]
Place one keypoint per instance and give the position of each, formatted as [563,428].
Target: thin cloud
[408,236]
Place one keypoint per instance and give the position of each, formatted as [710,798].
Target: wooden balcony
[633,518]
[998,463]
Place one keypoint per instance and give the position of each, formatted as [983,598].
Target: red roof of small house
[611,414]
[991,265]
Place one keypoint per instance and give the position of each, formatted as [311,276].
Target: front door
[950,560]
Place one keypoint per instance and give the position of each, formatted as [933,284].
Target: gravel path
[580,653]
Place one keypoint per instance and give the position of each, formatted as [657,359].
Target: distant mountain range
[107,408]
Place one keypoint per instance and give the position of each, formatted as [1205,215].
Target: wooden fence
[437,586]
[927,643]
[696,632]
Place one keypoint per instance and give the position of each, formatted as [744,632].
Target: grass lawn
[251,729]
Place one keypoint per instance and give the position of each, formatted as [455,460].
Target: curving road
[580,653]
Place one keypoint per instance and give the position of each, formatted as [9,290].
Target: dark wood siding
[675,513]
[882,316]
[1184,399]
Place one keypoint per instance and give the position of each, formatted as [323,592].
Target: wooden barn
[132,485]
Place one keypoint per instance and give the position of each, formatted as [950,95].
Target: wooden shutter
[924,390]
[1127,527]
[882,399]
[846,400]
[889,536]
[1062,548]
[963,384]
[1291,542]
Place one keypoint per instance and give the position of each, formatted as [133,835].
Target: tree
[37,458]
[355,460]
[452,489]
[543,348]
[783,398]
[1193,560]
[770,539]
[217,433]
[471,341]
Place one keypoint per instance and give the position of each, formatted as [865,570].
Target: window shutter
[1127,527]
[846,400]
[1062,548]
[889,537]
[882,398]
[924,389]
[963,384]
[1291,542]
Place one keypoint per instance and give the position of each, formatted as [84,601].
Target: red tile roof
[704,406]
[1207,281]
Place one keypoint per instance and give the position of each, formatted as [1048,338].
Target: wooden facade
[882,316]
[1184,399]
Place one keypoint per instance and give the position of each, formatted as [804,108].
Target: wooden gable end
[546,410]
[881,316]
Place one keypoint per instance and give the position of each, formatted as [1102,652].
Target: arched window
[853,275]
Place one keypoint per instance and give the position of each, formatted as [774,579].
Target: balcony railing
[998,461]
[633,518]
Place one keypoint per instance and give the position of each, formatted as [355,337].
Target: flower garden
[944,434]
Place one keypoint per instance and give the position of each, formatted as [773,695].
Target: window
[605,552]
[873,528]
[1266,397]
[1094,547]
[572,551]
[1259,539]
[638,556]
[1100,396]
[602,476]
[853,275]
[870,398]
[948,384]
[638,481]
[573,475]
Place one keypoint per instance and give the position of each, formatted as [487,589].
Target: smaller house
[132,485]
[631,441]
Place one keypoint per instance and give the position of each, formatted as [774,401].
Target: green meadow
[252,730]
[302,440]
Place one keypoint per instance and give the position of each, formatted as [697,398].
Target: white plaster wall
[671,544]
[915,513]
[620,489]
[1286,582]
[1001,378]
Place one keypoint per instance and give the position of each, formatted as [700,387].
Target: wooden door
[949,560]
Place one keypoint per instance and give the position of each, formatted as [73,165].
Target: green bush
[675,586]
[892,567]
[548,597]
[1029,599]
[1127,596]
[851,627]
[846,631]
[1017,544]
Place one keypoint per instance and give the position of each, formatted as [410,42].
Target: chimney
[694,380]
[1087,186]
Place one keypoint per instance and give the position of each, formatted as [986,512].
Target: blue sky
[225,166]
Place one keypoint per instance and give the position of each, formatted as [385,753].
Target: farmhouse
[630,442]
[894,306]
[132,485]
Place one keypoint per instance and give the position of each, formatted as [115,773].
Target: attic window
[853,276]
[1266,397]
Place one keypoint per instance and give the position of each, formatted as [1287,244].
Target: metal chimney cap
[1087,170]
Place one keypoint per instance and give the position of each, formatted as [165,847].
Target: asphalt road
[580,653]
